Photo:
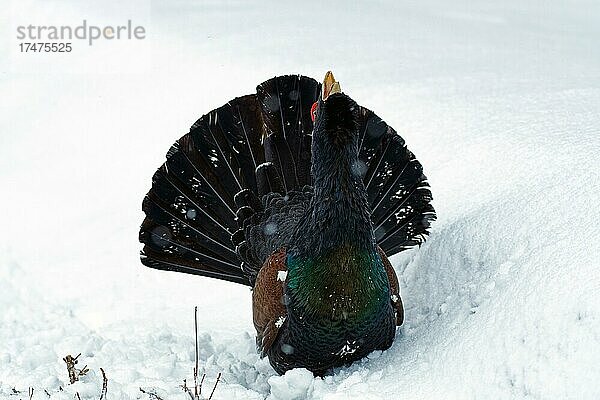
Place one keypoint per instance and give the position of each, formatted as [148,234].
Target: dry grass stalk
[214,387]
[151,394]
[196,391]
[74,373]
[104,385]
[197,394]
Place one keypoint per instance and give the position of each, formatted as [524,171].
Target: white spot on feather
[279,322]
[349,348]
[190,214]
[287,348]
[281,275]
[359,168]
[270,228]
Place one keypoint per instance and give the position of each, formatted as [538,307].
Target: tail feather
[237,130]
[208,146]
[169,232]
[171,263]
[248,198]
[269,179]
[284,103]
[188,165]
[173,191]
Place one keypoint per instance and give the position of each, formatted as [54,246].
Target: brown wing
[394,287]
[267,300]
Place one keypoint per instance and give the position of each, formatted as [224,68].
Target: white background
[499,101]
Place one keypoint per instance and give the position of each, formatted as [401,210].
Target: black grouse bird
[302,194]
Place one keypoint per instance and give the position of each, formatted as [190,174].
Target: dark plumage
[303,214]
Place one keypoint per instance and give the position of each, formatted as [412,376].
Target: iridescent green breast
[342,284]
[338,310]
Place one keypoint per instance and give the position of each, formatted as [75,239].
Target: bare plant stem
[214,387]
[196,391]
[74,373]
[197,395]
[151,394]
[104,385]
[200,388]
[187,390]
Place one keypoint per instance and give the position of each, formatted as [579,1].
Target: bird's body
[328,322]
[317,209]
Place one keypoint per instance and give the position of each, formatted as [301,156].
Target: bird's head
[335,115]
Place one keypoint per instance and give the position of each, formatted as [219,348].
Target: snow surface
[499,101]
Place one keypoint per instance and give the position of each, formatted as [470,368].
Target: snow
[499,101]
[296,385]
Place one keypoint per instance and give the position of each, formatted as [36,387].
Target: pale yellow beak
[330,86]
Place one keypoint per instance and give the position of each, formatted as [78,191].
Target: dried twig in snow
[104,385]
[151,394]
[74,373]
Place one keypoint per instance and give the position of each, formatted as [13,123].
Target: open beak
[330,86]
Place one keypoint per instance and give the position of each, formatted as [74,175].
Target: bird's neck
[339,214]
[334,251]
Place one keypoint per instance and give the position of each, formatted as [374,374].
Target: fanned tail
[246,165]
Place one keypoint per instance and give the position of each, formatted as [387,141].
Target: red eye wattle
[313,111]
